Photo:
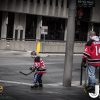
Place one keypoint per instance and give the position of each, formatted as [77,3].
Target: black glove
[30,68]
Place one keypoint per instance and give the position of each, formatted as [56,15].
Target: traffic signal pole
[68,63]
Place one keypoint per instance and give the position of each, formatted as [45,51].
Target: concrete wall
[45,47]
[17,45]
[33,7]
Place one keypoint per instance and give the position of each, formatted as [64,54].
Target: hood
[95,38]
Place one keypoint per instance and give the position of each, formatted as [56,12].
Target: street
[17,86]
[10,67]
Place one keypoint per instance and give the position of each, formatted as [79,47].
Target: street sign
[85,3]
[44,30]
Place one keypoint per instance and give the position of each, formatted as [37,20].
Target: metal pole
[81,75]
[44,37]
[43,44]
[67,77]
[99,74]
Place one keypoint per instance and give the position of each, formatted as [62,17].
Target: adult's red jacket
[92,53]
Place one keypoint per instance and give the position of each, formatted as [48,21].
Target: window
[82,23]
[56,3]
[16,34]
[83,14]
[31,23]
[44,1]
[10,25]
[0,22]
[31,1]
[97,28]
[56,28]
[62,3]
[50,2]
[38,1]
[81,31]
[21,35]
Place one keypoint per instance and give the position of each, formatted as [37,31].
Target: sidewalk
[22,92]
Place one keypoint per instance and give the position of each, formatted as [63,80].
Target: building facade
[21,22]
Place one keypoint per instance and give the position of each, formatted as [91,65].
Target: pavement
[48,92]
[24,92]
